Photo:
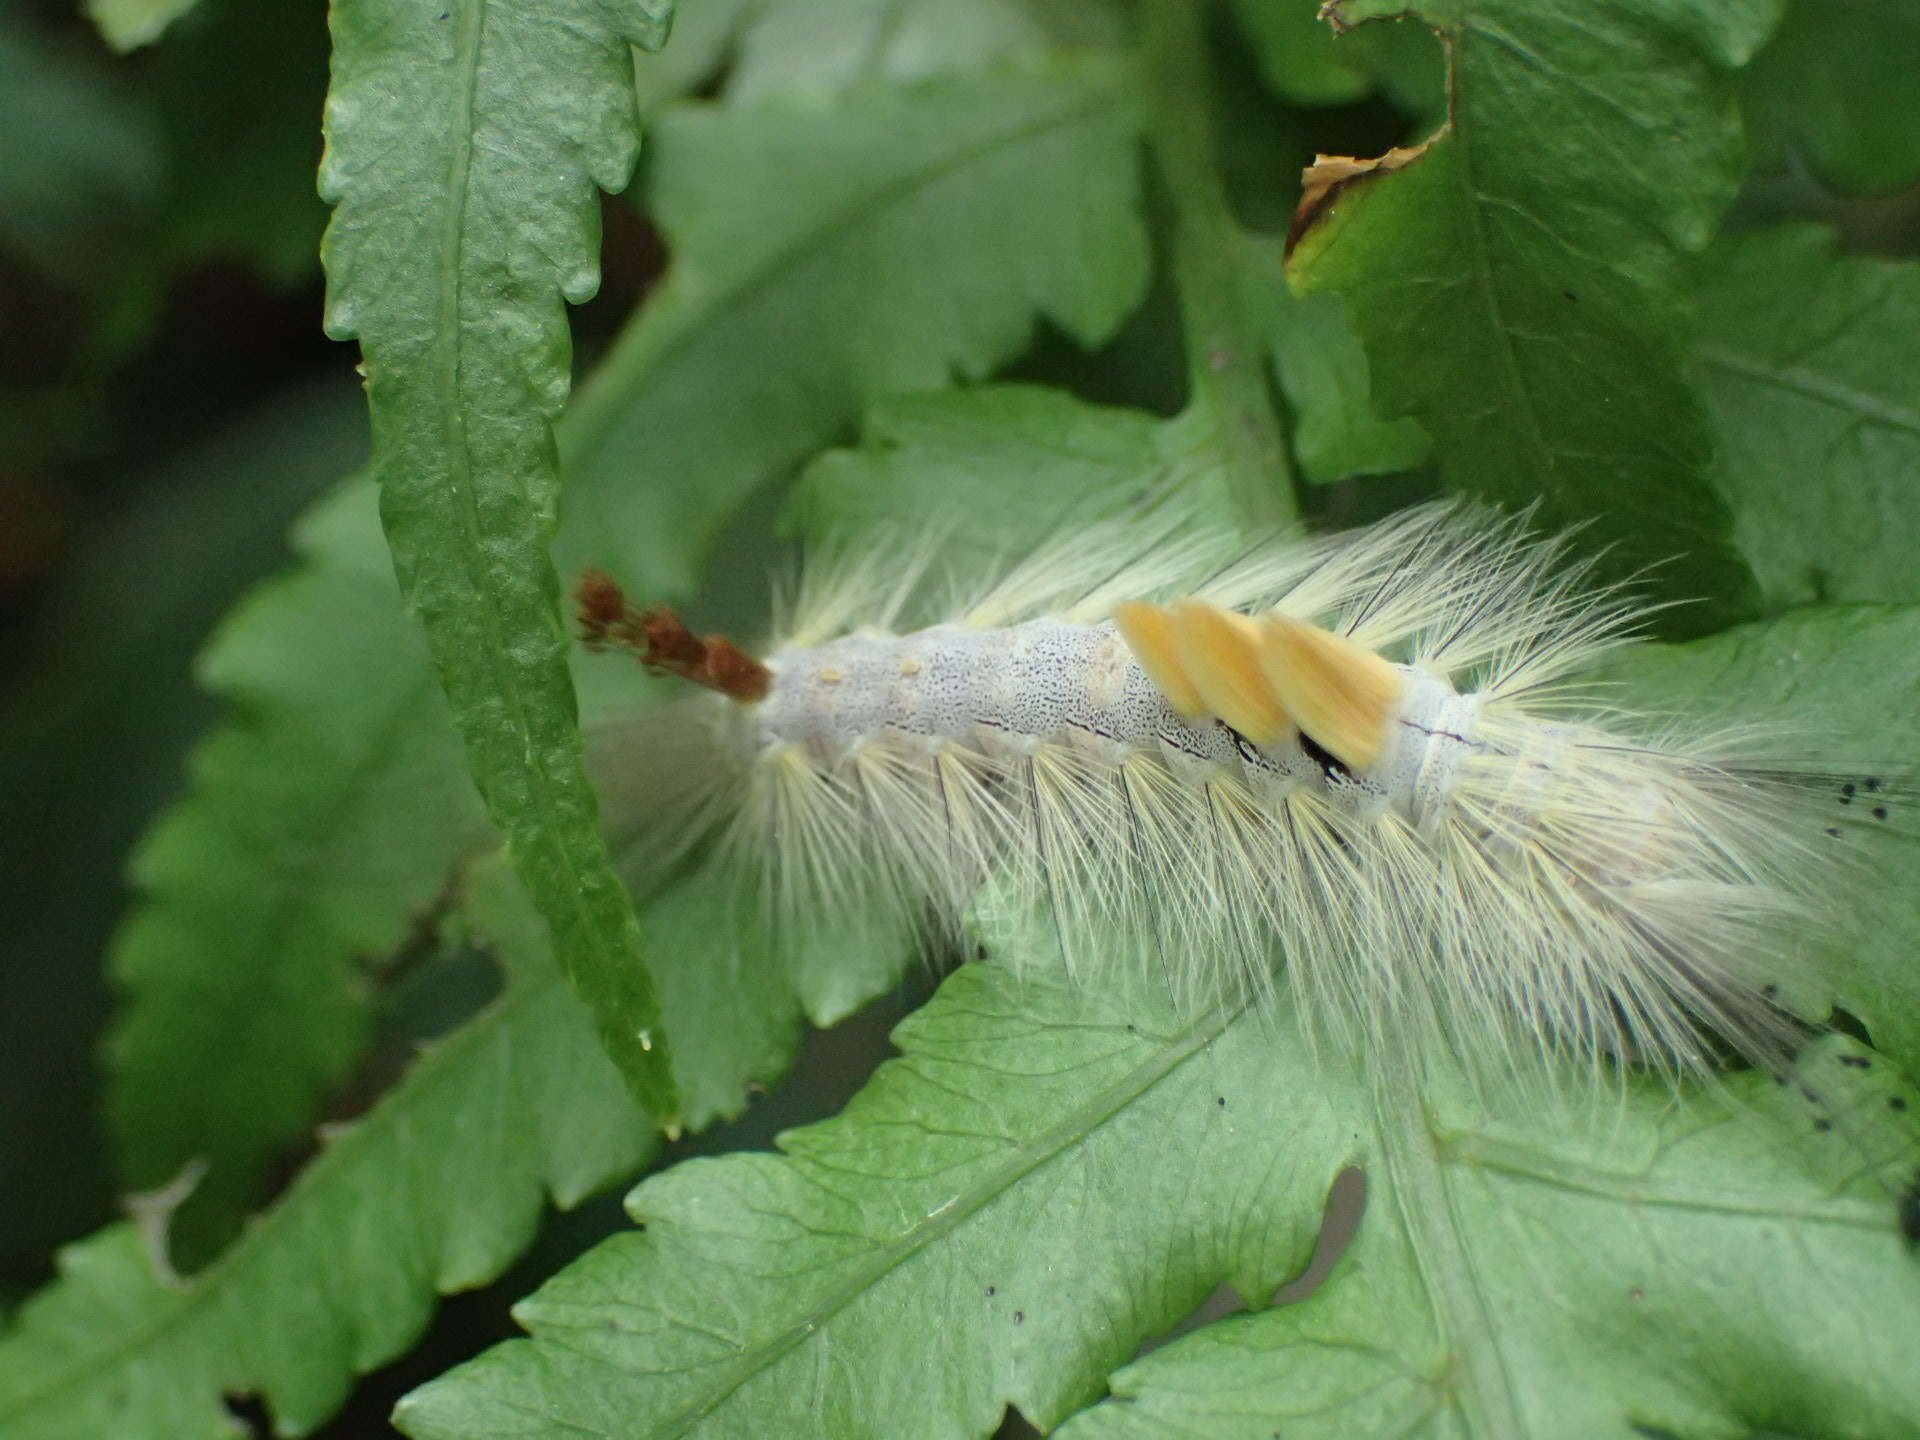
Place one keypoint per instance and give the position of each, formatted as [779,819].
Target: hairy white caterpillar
[1361,753]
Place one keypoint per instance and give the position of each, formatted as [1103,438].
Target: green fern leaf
[323,817]
[464,143]
[801,222]
[436,1189]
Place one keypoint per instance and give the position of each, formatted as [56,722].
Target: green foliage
[95,742]
[1020,173]
[435,1190]
[84,162]
[1302,59]
[1804,360]
[1519,284]
[1004,1200]
[111,182]
[129,24]
[245,976]
[1048,1177]
[868,210]
[461,147]
[1833,88]
[1846,674]
[1629,1245]
[1031,461]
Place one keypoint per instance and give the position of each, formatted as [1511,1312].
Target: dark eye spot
[1879,812]
[1858,1062]
[1873,784]
[1897,1103]
[1846,794]
[1834,831]
[1823,1126]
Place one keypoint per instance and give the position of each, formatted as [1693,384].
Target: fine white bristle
[1353,762]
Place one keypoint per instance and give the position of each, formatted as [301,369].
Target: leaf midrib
[1520,1163]
[208,1285]
[639,352]
[550,829]
[1428,1208]
[291,900]
[1547,458]
[1809,385]
[993,1183]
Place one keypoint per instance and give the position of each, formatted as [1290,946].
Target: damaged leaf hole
[1340,1219]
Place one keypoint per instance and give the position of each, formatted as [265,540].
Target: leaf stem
[1419,1192]
[1229,398]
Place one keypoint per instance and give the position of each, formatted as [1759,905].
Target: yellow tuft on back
[1220,651]
[1342,694]
[1148,631]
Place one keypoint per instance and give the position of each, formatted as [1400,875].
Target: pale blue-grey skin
[1006,692]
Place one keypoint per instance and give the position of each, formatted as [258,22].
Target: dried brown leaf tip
[660,640]
[1328,175]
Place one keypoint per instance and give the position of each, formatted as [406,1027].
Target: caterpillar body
[1361,753]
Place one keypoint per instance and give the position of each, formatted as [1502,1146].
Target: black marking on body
[1176,740]
[1250,753]
[1331,766]
[1433,734]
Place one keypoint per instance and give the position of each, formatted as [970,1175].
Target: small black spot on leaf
[1879,812]
[1019,1317]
